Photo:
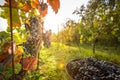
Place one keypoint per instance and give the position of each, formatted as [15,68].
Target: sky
[3,22]
[54,21]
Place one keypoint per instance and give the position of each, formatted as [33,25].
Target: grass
[55,58]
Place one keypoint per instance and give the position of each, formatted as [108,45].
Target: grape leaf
[15,16]
[35,3]
[14,3]
[4,35]
[1,67]
[55,4]
[29,63]
[3,56]
[26,7]
[43,13]
[43,9]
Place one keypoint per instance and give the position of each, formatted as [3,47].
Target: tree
[99,22]
[69,34]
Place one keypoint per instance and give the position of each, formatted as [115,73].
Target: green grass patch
[54,59]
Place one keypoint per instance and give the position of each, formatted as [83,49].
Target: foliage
[99,21]
[24,13]
[69,34]
[55,4]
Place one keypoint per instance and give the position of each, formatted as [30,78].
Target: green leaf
[4,35]
[1,67]
[17,38]
[15,16]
